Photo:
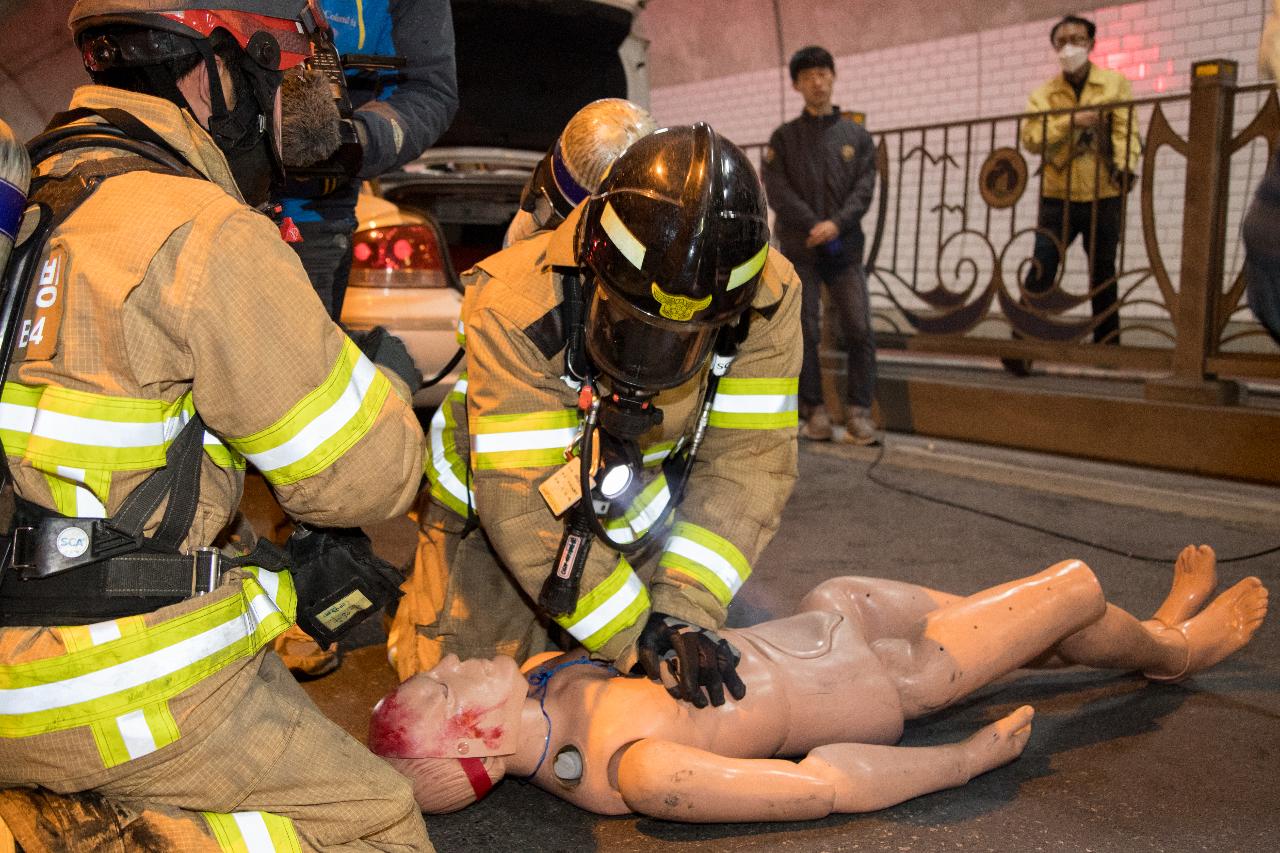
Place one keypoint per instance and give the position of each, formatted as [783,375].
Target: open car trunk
[526,66]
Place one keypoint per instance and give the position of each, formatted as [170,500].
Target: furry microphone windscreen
[309,130]
[15,179]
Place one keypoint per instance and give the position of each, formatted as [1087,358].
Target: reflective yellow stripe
[535,440]
[656,454]
[51,428]
[133,671]
[747,270]
[646,510]
[253,832]
[627,244]
[613,606]
[134,734]
[711,560]
[755,404]
[446,471]
[322,425]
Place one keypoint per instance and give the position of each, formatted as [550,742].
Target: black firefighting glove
[698,659]
[339,580]
[386,349]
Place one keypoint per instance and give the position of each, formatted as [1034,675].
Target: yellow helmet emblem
[680,308]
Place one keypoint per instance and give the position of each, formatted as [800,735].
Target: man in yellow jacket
[628,310]
[1090,160]
[165,299]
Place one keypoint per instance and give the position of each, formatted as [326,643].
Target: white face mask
[1072,57]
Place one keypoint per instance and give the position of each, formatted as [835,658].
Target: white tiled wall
[982,74]
[988,74]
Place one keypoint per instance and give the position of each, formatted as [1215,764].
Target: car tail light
[397,256]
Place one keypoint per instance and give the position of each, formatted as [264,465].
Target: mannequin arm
[676,782]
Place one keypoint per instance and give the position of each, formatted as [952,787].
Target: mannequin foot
[999,743]
[1195,575]
[1225,626]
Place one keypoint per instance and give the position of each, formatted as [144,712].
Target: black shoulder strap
[58,197]
[120,125]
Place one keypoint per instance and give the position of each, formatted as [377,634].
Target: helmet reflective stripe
[100,683]
[623,240]
[744,272]
[573,191]
[445,469]
[253,832]
[755,404]
[534,440]
[613,606]
[711,560]
[322,425]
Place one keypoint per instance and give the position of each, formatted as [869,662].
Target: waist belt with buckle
[61,570]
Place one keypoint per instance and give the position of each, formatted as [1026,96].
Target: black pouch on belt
[340,581]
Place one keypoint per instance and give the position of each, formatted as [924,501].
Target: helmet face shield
[677,237]
[640,350]
[277,44]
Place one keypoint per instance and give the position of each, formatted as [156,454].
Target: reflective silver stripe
[440,463]
[104,632]
[704,556]
[87,503]
[608,610]
[754,404]
[136,734]
[645,517]
[324,426]
[254,832]
[533,439]
[132,673]
[74,429]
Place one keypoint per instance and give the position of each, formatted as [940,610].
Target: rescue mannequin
[832,683]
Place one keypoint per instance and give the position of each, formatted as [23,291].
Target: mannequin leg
[1195,575]
[965,645]
[884,608]
[1061,611]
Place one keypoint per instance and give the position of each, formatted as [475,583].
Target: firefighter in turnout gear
[657,313]
[172,338]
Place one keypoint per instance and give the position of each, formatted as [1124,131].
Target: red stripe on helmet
[295,44]
[477,776]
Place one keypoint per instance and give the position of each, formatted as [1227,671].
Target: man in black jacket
[820,173]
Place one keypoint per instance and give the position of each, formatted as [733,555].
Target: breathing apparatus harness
[622,416]
[65,570]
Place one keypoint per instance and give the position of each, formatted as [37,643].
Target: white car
[445,211]
[402,278]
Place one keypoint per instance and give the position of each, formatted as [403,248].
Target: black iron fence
[1105,237]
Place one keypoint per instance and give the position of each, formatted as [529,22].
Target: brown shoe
[818,427]
[859,428]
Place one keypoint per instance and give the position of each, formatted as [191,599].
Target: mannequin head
[458,709]
[448,729]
